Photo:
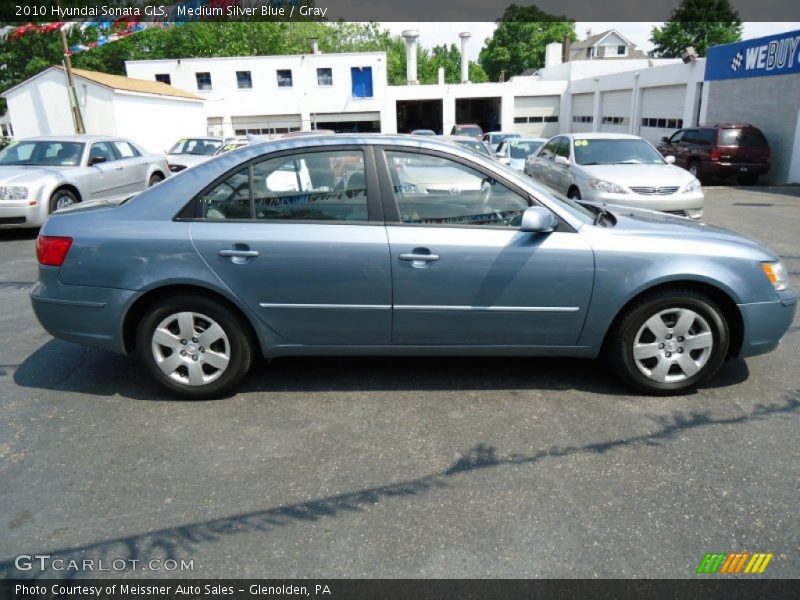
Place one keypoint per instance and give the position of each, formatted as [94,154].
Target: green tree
[697,23]
[519,41]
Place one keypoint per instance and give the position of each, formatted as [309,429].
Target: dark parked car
[398,245]
[724,150]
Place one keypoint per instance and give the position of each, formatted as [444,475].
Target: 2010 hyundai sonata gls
[398,245]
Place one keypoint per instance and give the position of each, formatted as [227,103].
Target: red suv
[724,150]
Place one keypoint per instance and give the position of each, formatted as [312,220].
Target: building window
[662,123]
[520,119]
[614,120]
[203,81]
[164,78]
[243,80]
[325,77]
[551,119]
[621,50]
[362,82]
[582,119]
[284,77]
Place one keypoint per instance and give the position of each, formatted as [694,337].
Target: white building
[277,94]
[146,112]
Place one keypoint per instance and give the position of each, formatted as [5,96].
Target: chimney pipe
[314,45]
[464,35]
[411,36]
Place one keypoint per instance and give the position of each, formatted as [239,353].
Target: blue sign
[772,55]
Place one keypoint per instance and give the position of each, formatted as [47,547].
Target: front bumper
[765,323]
[689,204]
[19,213]
[91,316]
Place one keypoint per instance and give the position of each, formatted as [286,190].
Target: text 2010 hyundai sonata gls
[398,245]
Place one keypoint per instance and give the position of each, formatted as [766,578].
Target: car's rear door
[463,273]
[134,167]
[543,162]
[299,237]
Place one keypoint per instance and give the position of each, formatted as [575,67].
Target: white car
[618,169]
[188,152]
[43,174]
[515,151]
[493,139]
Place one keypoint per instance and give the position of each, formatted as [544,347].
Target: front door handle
[419,257]
[232,252]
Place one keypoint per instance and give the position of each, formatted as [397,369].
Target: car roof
[459,138]
[502,133]
[80,137]
[526,139]
[598,135]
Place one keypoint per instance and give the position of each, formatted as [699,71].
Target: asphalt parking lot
[399,467]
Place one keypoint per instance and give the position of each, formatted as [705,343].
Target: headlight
[14,192]
[776,273]
[693,186]
[606,186]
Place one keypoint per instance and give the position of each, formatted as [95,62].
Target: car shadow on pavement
[13,235]
[181,542]
[61,366]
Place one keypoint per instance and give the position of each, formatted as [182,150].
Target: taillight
[716,153]
[52,250]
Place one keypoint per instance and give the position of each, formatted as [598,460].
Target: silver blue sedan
[398,245]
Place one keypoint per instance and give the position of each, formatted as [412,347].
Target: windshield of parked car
[499,138]
[199,147]
[472,130]
[475,146]
[45,153]
[615,152]
[520,149]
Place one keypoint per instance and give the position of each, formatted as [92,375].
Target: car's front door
[299,237]
[543,162]
[561,174]
[463,273]
[104,181]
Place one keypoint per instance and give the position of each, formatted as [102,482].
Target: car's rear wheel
[669,342]
[155,179]
[194,346]
[62,198]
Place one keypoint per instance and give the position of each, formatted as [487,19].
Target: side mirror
[561,160]
[537,219]
[665,139]
[96,160]
[670,159]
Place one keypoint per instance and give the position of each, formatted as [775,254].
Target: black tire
[155,179]
[239,345]
[619,350]
[574,193]
[694,168]
[63,197]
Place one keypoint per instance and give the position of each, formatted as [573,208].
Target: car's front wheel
[194,346]
[669,342]
[155,179]
[62,198]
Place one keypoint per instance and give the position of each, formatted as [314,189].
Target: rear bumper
[18,214]
[765,323]
[728,169]
[85,315]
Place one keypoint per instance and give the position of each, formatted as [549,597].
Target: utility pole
[77,118]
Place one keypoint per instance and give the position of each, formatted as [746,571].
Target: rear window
[752,137]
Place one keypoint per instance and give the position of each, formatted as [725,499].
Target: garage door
[615,109]
[265,124]
[662,111]
[582,111]
[536,116]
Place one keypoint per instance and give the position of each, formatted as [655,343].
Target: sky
[433,34]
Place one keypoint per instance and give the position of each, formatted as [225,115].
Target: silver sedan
[41,175]
[616,169]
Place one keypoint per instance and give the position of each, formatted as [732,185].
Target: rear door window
[705,137]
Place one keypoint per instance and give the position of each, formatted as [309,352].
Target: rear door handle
[231,252]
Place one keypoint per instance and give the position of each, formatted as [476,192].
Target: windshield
[475,146]
[499,138]
[50,153]
[616,152]
[519,149]
[472,130]
[199,147]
